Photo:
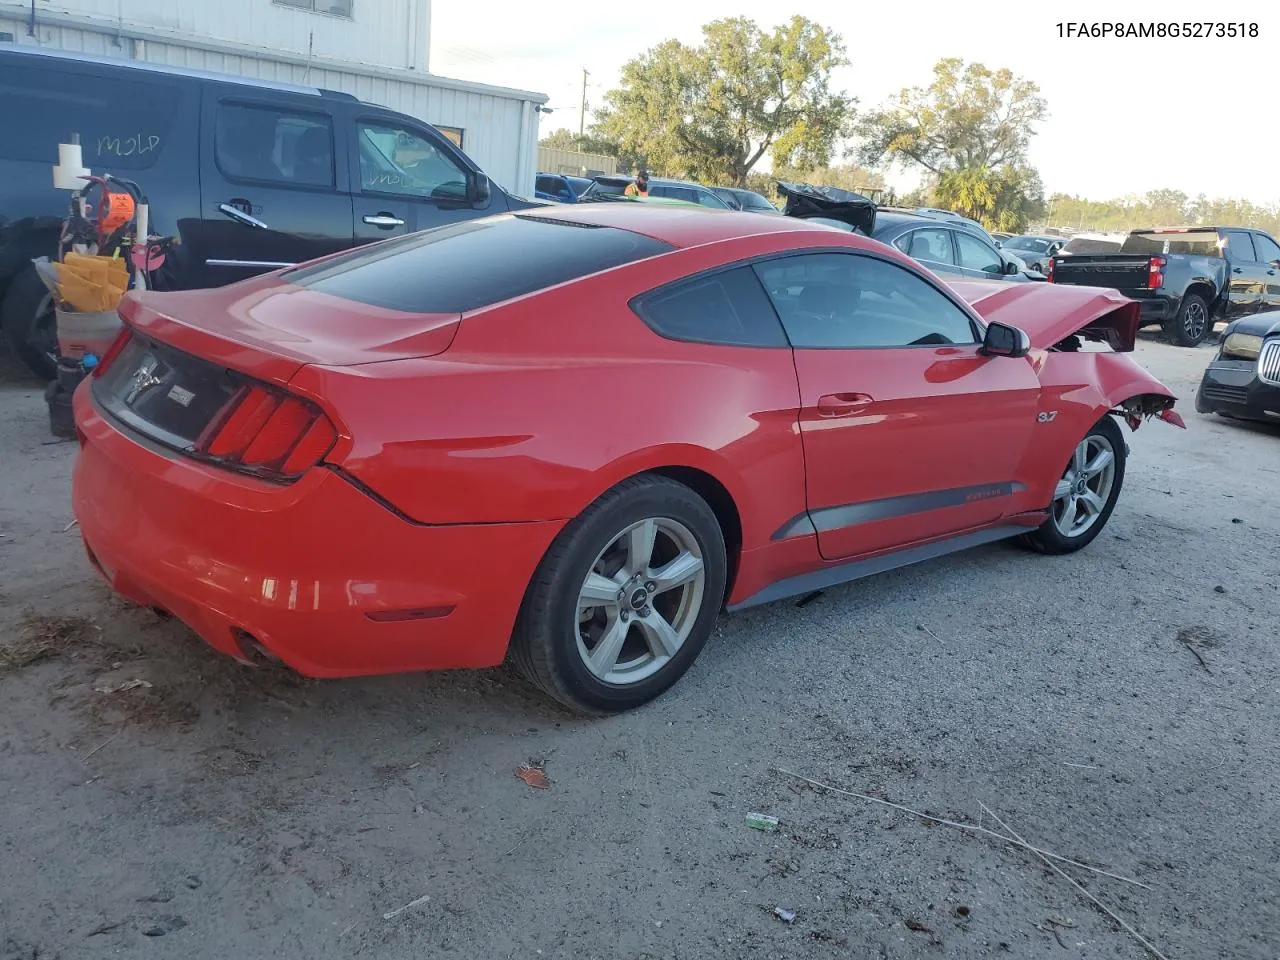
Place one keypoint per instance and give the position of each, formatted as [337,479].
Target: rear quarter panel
[542,404]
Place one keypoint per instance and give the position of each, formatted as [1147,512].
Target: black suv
[248,175]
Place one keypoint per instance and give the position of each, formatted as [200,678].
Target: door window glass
[1240,246]
[260,143]
[847,300]
[976,255]
[399,161]
[1268,251]
[931,245]
[708,199]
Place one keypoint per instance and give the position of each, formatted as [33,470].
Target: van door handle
[842,404]
[384,220]
[234,211]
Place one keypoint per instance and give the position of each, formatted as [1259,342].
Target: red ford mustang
[578,435]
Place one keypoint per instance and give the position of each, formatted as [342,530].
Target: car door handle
[385,220]
[1237,270]
[842,404]
[240,216]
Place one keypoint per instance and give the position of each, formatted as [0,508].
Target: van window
[399,161]
[280,146]
[124,124]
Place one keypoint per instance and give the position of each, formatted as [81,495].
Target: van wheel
[1192,323]
[30,324]
[624,599]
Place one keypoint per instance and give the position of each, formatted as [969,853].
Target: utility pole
[582,115]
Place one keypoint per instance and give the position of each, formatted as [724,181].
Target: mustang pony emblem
[144,379]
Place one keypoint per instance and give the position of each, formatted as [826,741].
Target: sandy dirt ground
[1120,707]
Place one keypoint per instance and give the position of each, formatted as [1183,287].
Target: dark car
[946,246]
[560,187]
[1243,381]
[247,175]
[1035,251]
[615,185]
[1185,278]
[748,201]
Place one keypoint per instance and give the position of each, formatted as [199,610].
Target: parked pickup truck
[1185,278]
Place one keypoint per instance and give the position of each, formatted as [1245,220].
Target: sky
[1127,115]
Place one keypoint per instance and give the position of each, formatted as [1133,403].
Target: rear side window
[1240,246]
[729,308]
[124,124]
[277,146]
[475,263]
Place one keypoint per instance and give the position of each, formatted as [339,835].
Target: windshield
[1030,244]
[753,201]
[1201,243]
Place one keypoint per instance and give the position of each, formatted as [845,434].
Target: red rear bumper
[318,573]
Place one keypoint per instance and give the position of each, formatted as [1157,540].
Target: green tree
[969,131]
[561,139]
[711,112]
[1006,199]
[970,116]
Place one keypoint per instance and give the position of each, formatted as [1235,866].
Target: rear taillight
[267,433]
[119,343]
[1155,273]
[1048,271]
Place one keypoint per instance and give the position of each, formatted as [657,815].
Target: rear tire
[30,325]
[1192,323]
[1086,494]
[624,599]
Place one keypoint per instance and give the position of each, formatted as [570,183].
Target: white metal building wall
[388,33]
[500,128]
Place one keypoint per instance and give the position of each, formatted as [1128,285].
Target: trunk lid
[1050,314]
[185,360]
[268,329]
[806,202]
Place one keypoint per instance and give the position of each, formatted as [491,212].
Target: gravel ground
[1119,707]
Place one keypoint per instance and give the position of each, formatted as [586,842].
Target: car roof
[658,181]
[681,226]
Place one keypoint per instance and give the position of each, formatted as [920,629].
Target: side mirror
[1011,269]
[480,190]
[1003,340]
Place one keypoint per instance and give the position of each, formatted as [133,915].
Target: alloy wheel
[1194,321]
[1082,494]
[640,601]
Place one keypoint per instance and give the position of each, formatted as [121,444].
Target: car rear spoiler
[805,201]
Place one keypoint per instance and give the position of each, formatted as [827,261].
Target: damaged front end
[1136,410]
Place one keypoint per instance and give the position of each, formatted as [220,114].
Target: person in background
[639,187]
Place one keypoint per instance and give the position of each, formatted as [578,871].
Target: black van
[247,175]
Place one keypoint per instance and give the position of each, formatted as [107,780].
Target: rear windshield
[1033,244]
[1201,243]
[1090,245]
[468,265]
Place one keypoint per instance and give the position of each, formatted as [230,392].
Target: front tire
[1192,323]
[625,598]
[1086,494]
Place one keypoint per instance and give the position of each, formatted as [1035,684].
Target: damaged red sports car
[575,436]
